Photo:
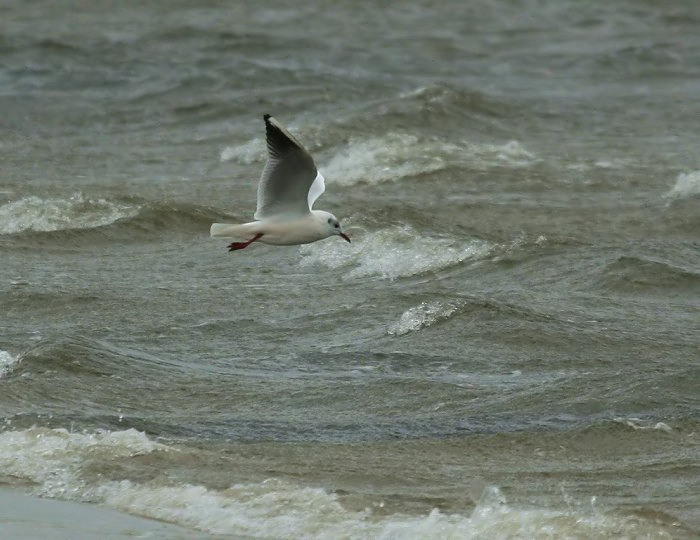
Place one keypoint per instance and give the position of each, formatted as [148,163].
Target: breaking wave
[7,361]
[395,155]
[77,212]
[426,314]
[687,185]
[61,465]
[393,252]
[79,216]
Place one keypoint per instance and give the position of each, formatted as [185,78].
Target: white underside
[282,232]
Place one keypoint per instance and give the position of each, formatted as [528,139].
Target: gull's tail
[227,230]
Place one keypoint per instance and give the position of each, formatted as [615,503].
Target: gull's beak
[345,236]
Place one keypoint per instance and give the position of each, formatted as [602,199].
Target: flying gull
[288,188]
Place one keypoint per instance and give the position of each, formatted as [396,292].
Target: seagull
[288,188]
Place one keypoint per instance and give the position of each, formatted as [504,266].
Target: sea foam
[393,252]
[252,151]
[52,458]
[425,314]
[76,212]
[59,461]
[7,361]
[396,155]
[687,185]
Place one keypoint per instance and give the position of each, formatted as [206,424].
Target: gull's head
[331,224]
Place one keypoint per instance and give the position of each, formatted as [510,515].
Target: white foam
[273,508]
[77,212]
[55,459]
[687,185]
[7,361]
[393,252]
[280,509]
[52,457]
[642,425]
[390,157]
[397,155]
[254,151]
[425,314]
[614,163]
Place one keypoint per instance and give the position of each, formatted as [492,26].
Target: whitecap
[392,252]
[7,361]
[56,459]
[642,425]
[397,155]
[253,151]
[281,509]
[77,212]
[52,458]
[425,314]
[687,185]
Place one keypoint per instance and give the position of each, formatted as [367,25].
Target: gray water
[507,349]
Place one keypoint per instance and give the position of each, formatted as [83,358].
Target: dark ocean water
[509,347]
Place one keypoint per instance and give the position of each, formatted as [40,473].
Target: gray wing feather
[288,174]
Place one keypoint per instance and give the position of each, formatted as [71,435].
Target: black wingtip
[266,117]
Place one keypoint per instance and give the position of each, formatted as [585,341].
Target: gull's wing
[290,182]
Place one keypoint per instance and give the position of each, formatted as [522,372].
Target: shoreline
[29,517]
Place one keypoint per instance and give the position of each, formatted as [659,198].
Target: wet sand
[33,518]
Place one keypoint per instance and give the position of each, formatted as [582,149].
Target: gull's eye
[329,221]
[337,225]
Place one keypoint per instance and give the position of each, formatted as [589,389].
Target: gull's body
[289,185]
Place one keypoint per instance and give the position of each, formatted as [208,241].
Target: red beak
[345,236]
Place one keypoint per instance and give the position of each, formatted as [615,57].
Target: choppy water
[509,347]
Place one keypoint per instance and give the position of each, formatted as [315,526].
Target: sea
[510,346]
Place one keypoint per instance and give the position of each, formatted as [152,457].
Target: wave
[634,274]
[395,155]
[687,186]
[35,214]
[80,217]
[46,47]
[74,355]
[426,314]
[51,458]
[393,252]
[638,424]
[55,373]
[253,151]
[435,311]
[681,209]
[373,145]
[7,362]
[65,465]
[441,107]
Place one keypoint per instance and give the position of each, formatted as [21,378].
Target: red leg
[241,245]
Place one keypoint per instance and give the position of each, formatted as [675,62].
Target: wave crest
[393,252]
[687,185]
[66,465]
[635,274]
[81,219]
[7,361]
[397,155]
[425,314]
[77,212]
